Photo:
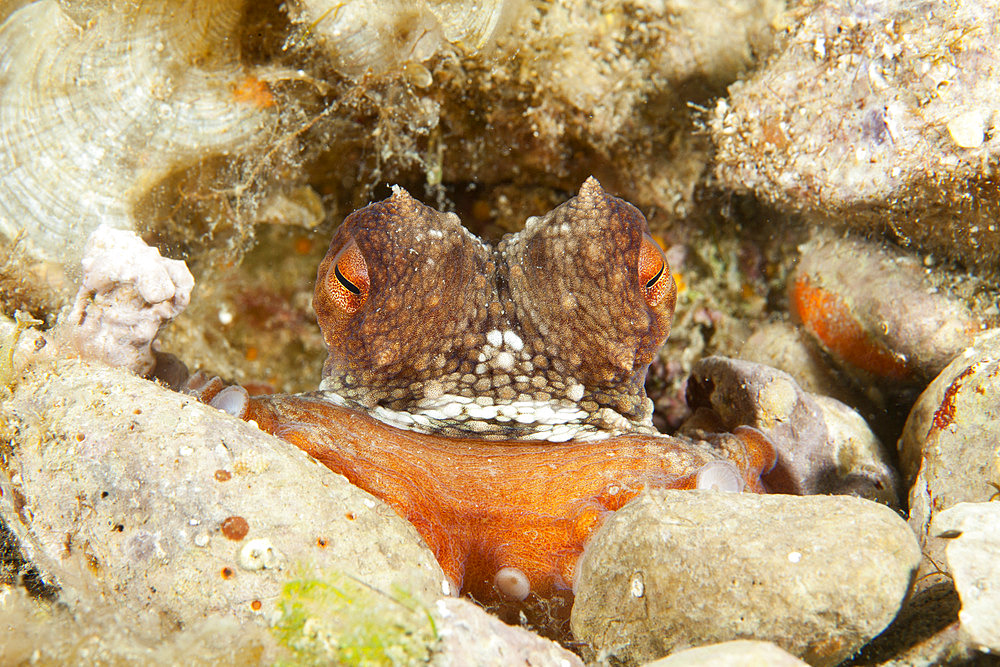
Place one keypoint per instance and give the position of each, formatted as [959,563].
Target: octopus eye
[654,273]
[348,283]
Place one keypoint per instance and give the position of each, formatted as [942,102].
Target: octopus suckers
[503,361]
[720,476]
[575,392]
[512,583]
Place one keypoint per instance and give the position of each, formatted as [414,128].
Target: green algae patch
[340,620]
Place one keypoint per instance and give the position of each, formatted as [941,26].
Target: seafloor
[822,177]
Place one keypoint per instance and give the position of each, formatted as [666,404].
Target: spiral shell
[99,102]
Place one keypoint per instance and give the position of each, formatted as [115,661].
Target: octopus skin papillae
[493,396]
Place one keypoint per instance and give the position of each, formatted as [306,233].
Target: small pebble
[968,130]
[637,586]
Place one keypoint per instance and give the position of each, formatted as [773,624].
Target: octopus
[494,395]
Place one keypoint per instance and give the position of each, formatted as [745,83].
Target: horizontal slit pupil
[652,281]
[348,285]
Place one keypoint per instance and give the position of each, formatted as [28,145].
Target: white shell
[100,102]
[362,36]
[470,25]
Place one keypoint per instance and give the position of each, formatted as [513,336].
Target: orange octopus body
[484,506]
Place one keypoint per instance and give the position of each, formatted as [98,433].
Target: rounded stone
[948,450]
[737,653]
[818,575]
[972,531]
[823,445]
[126,472]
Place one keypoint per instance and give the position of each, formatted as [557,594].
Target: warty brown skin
[567,287]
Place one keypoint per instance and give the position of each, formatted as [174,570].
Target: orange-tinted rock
[878,312]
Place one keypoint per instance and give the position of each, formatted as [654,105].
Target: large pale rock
[123,491]
[876,116]
[325,621]
[973,552]
[819,575]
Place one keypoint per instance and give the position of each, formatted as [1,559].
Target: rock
[128,293]
[819,576]
[737,653]
[790,349]
[43,634]
[973,534]
[898,336]
[925,632]
[947,647]
[823,446]
[949,449]
[958,379]
[122,491]
[467,635]
[329,620]
[877,117]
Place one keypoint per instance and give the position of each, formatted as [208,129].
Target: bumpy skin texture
[517,372]
[553,314]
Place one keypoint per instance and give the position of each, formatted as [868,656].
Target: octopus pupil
[348,285]
[652,281]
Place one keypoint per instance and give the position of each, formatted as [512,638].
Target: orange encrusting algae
[253,91]
[828,318]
